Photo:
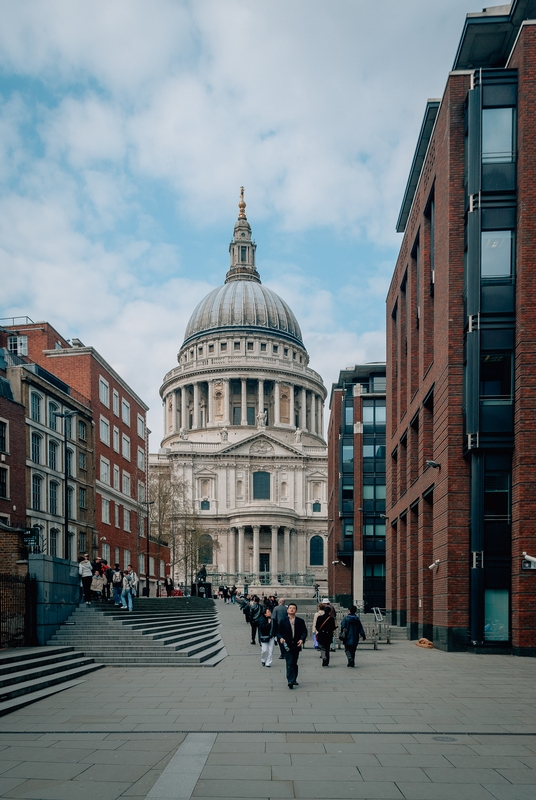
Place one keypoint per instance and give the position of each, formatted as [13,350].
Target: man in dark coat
[292,633]
[278,615]
[354,629]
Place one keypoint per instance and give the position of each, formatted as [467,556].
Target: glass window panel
[348,455]
[316,551]
[368,492]
[261,485]
[378,383]
[380,492]
[496,254]
[496,375]
[348,415]
[348,530]
[368,451]
[496,617]
[368,414]
[497,135]
[380,415]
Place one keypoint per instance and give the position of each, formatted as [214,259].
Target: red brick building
[461,330]
[356,488]
[120,436]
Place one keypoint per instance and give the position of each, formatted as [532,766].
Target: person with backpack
[266,635]
[117,583]
[325,626]
[130,581]
[351,631]
[255,614]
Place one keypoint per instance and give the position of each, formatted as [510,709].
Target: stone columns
[226,420]
[231,567]
[292,411]
[210,406]
[165,410]
[277,402]
[195,423]
[303,410]
[275,569]
[260,400]
[313,412]
[174,411]
[184,416]
[240,548]
[244,402]
[256,531]
[286,543]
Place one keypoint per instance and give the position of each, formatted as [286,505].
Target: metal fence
[18,602]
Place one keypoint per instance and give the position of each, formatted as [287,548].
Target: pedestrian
[351,630]
[97,585]
[107,580]
[234,592]
[266,635]
[97,564]
[318,613]
[255,613]
[168,583]
[325,627]
[117,584]
[130,581]
[279,613]
[86,574]
[292,633]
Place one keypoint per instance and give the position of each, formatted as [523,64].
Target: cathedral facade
[244,429]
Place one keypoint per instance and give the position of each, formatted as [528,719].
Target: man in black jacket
[292,633]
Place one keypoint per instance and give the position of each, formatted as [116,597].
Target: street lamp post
[147,503]
[65,416]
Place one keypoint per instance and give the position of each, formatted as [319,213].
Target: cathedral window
[261,485]
[206,549]
[205,505]
[275,348]
[316,551]
[317,508]
[223,346]
[237,345]
[211,348]
[250,345]
[285,351]
[263,347]
[243,251]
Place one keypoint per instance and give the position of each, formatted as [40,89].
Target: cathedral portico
[243,428]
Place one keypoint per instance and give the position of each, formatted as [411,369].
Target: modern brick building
[120,443]
[461,333]
[356,487]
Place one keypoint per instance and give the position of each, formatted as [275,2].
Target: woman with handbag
[351,630]
[266,634]
[325,627]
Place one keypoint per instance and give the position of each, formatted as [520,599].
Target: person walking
[169,586]
[117,584]
[255,613]
[266,635]
[325,627]
[351,631]
[279,613]
[86,573]
[130,580]
[292,633]
[107,580]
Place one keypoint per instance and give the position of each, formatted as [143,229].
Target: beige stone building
[243,426]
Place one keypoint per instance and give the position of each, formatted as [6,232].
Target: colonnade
[239,565]
[193,405]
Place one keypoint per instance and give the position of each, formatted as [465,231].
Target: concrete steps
[30,674]
[160,634]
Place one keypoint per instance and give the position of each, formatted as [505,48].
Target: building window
[141,459]
[52,418]
[211,348]
[82,542]
[37,482]
[250,345]
[104,430]
[126,447]
[223,346]
[162,569]
[3,483]
[117,478]
[497,135]
[275,349]
[141,492]
[53,455]
[36,448]
[116,439]
[70,508]
[126,520]
[495,375]
[53,540]
[347,457]
[35,407]
[237,345]
[348,530]
[141,427]
[379,383]
[496,615]
[82,461]
[116,517]
[205,505]
[82,497]
[151,565]
[125,412]
[105,511]
[105,550]
[104,392]
[317,507]
[116,561]
[82,431]
[243,251]
[285,351]
[206,549]
[115,400]
[18,345]
[3,437]
[316,551]
[141,563]
[70,461]
[263,347]
[126,558]
[126,484]
[261,485]
[497,254]
[105,471]
[67,425]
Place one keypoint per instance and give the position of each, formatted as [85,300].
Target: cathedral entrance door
[264,568]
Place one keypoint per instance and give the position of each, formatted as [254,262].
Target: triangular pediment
[261,445]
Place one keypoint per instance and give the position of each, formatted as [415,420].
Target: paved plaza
[406,723]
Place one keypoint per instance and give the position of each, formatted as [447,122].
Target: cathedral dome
[244,305]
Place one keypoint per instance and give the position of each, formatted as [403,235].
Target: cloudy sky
[128,126]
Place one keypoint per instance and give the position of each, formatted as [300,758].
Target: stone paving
[406,723]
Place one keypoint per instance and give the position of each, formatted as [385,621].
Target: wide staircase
[30,674]
[162,632]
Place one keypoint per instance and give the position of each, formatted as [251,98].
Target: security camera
[335,562]
[103,539]
[532,559]
[433,464]
[436,563]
